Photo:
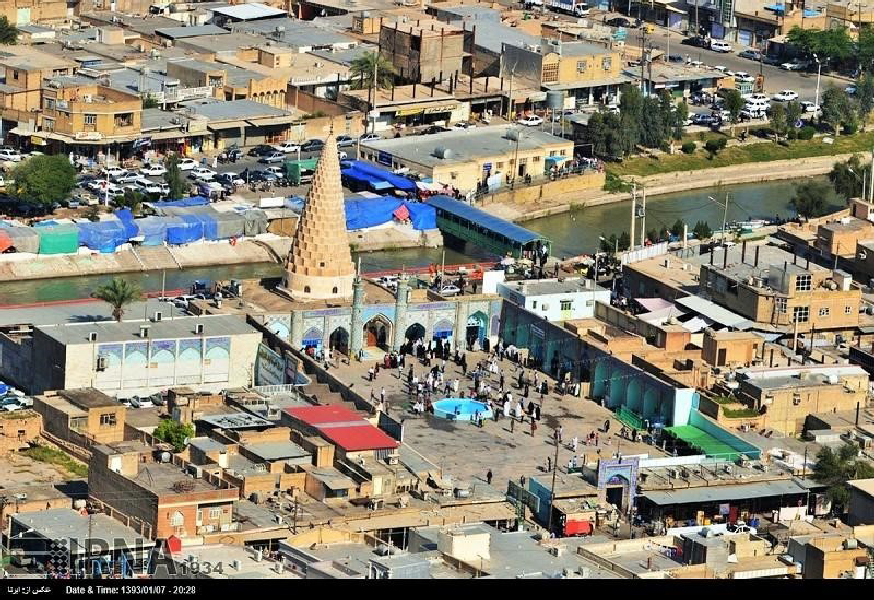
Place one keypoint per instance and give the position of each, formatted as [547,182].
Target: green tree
[677,228]
[630,118]
[803,39]
[8,32]
[624,241]
[846,177]
[834,469]
[174,433]
[680,117]
[118,294]
[151,102]
[793,114]
[865,95]
[173,177]
[836,108]
[866,49]
[131,199]
[652,123]
[778,120]
[733,104]
[813,198]
[702,230]
[361,72]
[44,179]
[713,146]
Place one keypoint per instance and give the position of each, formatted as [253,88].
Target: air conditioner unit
[92,337]
[198,328]
[157,316]
[101,363]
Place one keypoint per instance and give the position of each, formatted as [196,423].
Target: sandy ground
[18,471]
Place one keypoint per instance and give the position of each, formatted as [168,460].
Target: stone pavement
[466,452]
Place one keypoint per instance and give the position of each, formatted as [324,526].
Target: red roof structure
[344,428]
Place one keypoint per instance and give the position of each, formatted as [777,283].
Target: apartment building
[76,112]
[841,236]
[230,82]
[81,416]
[423,50]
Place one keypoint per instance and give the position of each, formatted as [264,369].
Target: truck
[569,7]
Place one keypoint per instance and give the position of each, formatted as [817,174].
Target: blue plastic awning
[555,159]
[374,173]
[509,230]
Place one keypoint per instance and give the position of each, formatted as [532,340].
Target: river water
[572,233]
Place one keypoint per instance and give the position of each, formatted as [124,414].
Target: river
[572,233]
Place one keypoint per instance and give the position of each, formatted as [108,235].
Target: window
[590,303]
[848,310]
[306,289]
[581,66]
[107,420]
[78,423]
[90,119]
[801,314]
[781,306]
[177,519]
[499,165]
[534,305]
[550,73]
[48,124]
[607,63]
[824,311]
[50,104]
[334,291]
[536,159]
[802,283]
[566,304]
[215,513]
[15,75]
[124,120]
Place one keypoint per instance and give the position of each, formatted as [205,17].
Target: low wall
[528,194]
[696,419]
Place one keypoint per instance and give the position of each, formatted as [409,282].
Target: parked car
[278,171]
[312,146]
[747,114]
[449,290]
[186,164]
[153,170]
[807,106]
[273,157]
[344,141]
[262,176]
[233,154]
[704,120]
[10,404]
[530,121]
[694,41]
[720,46]
[287,147]
[369,137]
[229,178]
[619,22]
[850,89]
[758,97]
[126,177]
[153,187]
[463,125]
[261,150]
[341,155]
[786,96]
[202,174]
[10,155]
[795,65]
[675,58]
[96,185]
[750,54]
[743,77]
[138,402]
[112,172]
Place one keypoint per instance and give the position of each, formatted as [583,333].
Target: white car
[113,172]
[153,170]
[695,63]
[807,106]
[96,185]
[850,89]
[125,177]
[152,187]
[202,174]
[530,121]
[369,137]
[286,147]
[278,171]
[720,46]
[743,77]
[186,164]
[719,68]
[341,155]
[449,290]
[786,96]
[794,66]
[759,98]
[138,402]
[10,155]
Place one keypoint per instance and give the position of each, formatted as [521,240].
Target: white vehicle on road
[186,164]
[202,174]
[153,170]
[530,121]
[743,77]
[720,46]
[287,147]
[786,96]
[807,106]
[10,155]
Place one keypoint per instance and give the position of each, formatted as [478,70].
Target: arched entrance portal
[376,332]
[339,340]
[312,338]
[415,332]
[476,328]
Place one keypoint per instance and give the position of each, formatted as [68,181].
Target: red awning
[401,213]
[5,241]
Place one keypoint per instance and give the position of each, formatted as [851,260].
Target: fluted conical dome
[320,265]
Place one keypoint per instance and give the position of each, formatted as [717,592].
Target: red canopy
[401,213]
[5,241]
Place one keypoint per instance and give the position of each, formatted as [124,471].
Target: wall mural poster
[163,351]
[136,352]
[113,353]
[190,349]
[269,368]
[219,347]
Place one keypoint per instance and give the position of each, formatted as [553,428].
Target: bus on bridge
[470,224]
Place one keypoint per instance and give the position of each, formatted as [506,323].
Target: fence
[574,168]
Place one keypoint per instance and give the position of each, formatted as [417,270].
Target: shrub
[850,128]
[688,147]
[715,145]
[806,132]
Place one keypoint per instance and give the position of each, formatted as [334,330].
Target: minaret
[319,266]
[401,295]
[356,335]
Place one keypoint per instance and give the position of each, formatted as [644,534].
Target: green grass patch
[58,458]
[740,413]
[736,155]
[614,184]
[724,400]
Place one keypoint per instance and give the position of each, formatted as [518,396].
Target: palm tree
[361,71]
[117,294]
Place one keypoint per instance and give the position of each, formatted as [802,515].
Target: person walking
[560,429]
[382,395]
[548,464]
[489,477]
[370,373]
[574,442]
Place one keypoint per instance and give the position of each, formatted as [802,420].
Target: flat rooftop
[87,398]
[238,110]
[66,523]
[179,327]
[545,287]
[465,145]
[239,420]
[165,479]
[271,451]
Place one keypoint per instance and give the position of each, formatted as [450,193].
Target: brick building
[82,416]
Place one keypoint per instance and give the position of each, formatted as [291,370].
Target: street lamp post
[724,215]
[818,75]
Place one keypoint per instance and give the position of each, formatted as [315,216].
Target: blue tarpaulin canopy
[509,230]
[193,201]
[370,212]
[366,172]
[127,219]
[104,236]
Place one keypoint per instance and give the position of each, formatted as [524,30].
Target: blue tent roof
[376,174]
[193,201]
[509,230]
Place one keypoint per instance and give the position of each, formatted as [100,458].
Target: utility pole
[373,104]
[642,59]
[552,489]
[643,218]
[871,186]
[633,207]
[724,219]
[697,25]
